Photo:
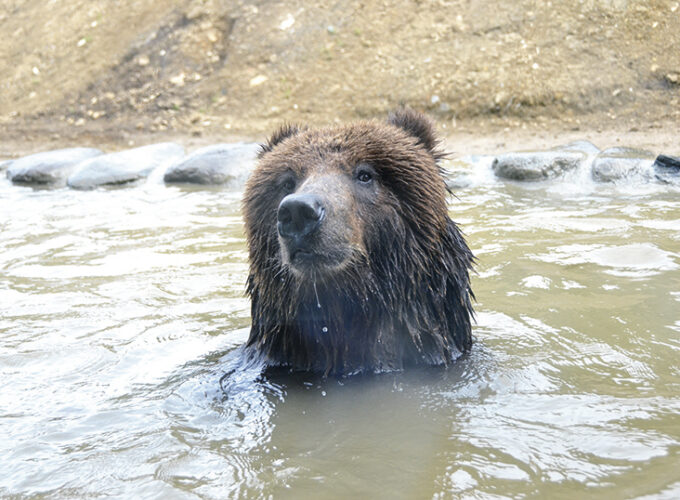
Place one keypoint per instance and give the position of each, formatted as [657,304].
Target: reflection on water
[121,309]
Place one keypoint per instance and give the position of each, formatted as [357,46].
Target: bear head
[355,265]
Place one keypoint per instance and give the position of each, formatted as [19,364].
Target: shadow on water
[499,421]
[283,434]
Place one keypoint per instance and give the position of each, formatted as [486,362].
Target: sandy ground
[494,74]
[468,138]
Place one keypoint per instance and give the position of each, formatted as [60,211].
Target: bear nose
[299,215]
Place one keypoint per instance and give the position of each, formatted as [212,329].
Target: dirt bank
[119,71]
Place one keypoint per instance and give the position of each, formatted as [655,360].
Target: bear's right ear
[284,132]
[419,126]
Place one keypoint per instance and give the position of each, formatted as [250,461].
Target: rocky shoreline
[89,168]
[231,163]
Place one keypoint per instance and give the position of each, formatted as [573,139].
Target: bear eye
[288,184]
[365,174]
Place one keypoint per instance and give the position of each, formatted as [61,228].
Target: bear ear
[284,132]
[419,126]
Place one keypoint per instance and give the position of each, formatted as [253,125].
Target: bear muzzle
[300,215]
[299,218]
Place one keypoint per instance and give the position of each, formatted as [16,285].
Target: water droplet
[324,329]
[318,304]
[323,393]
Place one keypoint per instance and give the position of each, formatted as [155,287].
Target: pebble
[258,80]
[178,80]
[48,167]
[125,166]
[217,164]
[536,166]
[615,164]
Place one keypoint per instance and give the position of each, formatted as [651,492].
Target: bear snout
[299,216]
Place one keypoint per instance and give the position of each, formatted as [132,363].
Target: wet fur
[403,297]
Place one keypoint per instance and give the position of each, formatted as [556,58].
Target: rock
[458,180]
[585,147]
[616,164]
[673,78]
[662,161]
[536,166]
[125,166]
[258,80]
[48,167]
[666,169]
[467,171]
[218,164]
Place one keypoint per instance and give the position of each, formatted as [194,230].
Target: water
[121,309]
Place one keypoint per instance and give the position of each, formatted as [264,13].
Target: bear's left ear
[284,132]
[419,126]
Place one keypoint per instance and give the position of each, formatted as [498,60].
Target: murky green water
[120,310]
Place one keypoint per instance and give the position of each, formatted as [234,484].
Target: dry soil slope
[159,64]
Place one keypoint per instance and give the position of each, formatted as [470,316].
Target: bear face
[355,265]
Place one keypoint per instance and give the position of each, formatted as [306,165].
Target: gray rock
[616,164]
[623,152]
[585,147]
[536,166]
[125,166]
[48,167]
[664,161]
[666,169]
[467,171]
[458,180]
[218,164]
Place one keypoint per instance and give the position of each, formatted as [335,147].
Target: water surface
[120,310]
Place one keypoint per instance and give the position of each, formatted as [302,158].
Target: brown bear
[355,265]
